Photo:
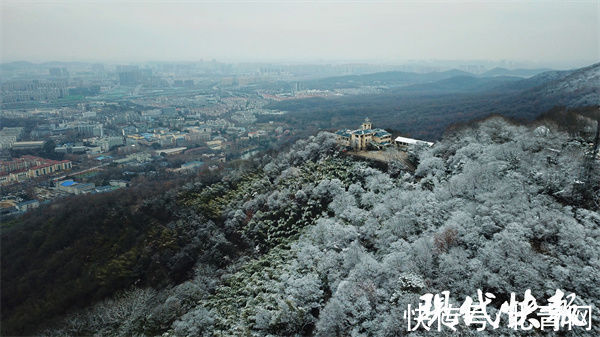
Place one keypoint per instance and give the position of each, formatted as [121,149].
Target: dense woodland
[311,241]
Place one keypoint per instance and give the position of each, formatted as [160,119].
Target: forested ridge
[313,242]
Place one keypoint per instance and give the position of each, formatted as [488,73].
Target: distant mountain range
[579,87]
[584,81]
[461,84]
[514,72]
[424,105]
[498,80]
[383,79]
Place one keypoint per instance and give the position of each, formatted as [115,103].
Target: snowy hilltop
[311,242]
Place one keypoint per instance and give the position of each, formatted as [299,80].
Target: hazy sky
[389,31]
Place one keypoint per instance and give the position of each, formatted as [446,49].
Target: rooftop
[67,183]
[411,141]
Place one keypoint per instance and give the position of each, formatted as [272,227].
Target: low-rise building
[118,183]
[74,187]
[106,143]
[28,167]
[171,151]
[404,142]
[216,144]
[140,157]
[16,132]
[27,205]
[31,145]
[6,142]
[104,189]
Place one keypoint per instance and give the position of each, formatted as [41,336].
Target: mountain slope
[461,84]
[573,89]
[577,88]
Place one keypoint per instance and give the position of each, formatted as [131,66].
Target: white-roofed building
[403,141]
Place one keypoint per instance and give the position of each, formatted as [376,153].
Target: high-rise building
[59,72]
[34,90]
[90,130]
[129,75]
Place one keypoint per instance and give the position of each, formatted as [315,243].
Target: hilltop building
[365,137]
